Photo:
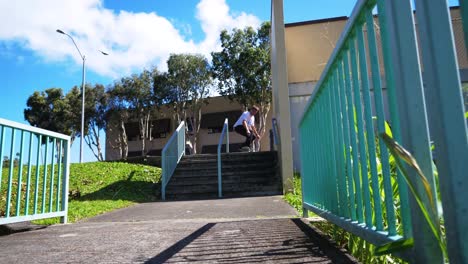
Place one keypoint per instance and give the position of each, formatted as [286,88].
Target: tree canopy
[242,68]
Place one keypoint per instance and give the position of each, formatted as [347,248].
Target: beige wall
[308,47]
[310,44]
[215,105]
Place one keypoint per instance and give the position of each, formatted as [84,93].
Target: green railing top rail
[173,137]
[44,132]
[341,43]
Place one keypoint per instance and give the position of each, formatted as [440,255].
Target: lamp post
[82,92]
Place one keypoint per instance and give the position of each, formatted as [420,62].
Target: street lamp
[82,92]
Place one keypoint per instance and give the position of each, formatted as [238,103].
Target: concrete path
[242,230]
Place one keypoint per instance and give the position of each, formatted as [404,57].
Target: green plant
[429,212]
[294,198]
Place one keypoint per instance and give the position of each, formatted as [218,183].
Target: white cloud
[134,40]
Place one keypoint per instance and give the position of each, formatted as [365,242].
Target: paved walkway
[242,230]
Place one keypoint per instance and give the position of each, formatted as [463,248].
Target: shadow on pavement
[254,241]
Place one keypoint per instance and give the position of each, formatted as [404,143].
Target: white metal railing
[224,134]
[171,155]
[37,173]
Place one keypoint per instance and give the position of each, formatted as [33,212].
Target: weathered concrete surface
[219,209]
[212,231]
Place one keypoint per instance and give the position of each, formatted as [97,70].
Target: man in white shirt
[245,126]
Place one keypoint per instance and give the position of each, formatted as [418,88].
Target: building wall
[309,46]
[215,105]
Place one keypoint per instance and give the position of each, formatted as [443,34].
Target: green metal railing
[224,134]
[171,155]
[33,174]
[349,178]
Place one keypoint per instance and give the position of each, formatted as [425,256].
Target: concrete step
[227,188]
[225,194]
[231,156]
[243,174]
[225,168]
[225,180]
[244,177]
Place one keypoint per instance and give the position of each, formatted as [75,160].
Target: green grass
[294,198]
[95,188]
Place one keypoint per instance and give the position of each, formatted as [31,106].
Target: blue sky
[136,34]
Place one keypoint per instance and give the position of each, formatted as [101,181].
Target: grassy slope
[100,187]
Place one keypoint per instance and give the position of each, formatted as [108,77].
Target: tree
[189,78]
[242,68]
[95,107]
[140,99]
[134,98]
[50,110]
[117,114]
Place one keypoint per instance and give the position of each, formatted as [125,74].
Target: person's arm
[244,123]
[255,132]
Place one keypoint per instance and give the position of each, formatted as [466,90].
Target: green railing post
[65,180]
[344,116]
[352,134]
[370,136]
[28,180]
[52,173]
[59,175]
[10,173]
[360,129]
[378,101]
[395,120]
[38,162]
[412,111]
[446,113]
[20,175]
[44,179]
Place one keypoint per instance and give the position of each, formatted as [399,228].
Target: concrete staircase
[243,174]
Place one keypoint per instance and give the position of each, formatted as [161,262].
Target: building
[308,45]
[213,116]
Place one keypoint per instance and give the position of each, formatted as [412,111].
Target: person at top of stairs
[245,126]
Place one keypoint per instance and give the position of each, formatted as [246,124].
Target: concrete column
[281,92]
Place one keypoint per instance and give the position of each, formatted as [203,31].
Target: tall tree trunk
[124,140]
[93,140]
[197,127]
[264,110]
[143,124]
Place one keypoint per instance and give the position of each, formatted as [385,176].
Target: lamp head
[60,31]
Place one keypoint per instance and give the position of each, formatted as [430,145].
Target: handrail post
[163,175]
[65,181]
[224,132]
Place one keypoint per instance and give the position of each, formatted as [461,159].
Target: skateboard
[245,149]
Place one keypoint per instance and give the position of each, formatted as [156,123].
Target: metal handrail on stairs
[171,155]
[224,134]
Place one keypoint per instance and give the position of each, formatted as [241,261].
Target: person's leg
[241,131]
[250,139]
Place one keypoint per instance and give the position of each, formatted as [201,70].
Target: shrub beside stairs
[243,174]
